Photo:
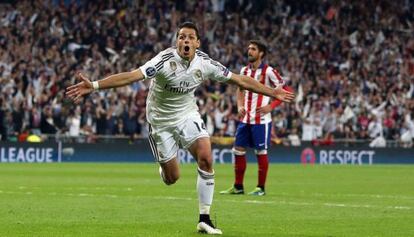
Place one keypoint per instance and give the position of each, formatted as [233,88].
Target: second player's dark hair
[260,45]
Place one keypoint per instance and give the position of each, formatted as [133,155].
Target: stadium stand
[352,66]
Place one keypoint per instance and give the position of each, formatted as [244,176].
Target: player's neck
[186,60]
[256,64]
[189,59]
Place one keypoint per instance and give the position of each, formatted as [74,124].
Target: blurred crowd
[350,62]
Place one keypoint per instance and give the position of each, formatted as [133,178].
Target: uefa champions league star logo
[151,71]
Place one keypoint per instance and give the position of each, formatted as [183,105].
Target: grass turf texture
[94,199]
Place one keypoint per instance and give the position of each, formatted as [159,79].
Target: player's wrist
[95,85]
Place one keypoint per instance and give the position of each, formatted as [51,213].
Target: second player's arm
[240,102]
[240,98]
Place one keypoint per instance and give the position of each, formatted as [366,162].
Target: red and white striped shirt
[269,77]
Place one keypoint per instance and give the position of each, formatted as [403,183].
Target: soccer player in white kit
[172,112]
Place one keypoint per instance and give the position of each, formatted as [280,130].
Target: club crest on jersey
[198,75]
[173,65]
[150,72]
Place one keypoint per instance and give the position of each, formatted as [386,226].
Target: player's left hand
[264,109]
[284,94]
[82,88]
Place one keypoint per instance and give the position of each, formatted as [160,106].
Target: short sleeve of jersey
[217,71]
[151,67]
[242,71]
[275,79]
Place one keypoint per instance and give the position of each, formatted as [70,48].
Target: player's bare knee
[205,163]
[171,179]
[170,182]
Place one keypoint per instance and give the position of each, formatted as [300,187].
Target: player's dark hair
[190,25]
[260,45]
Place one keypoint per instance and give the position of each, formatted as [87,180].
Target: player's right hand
[241,112]
[284,94]
[75,92]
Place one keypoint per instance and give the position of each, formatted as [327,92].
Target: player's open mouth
[186,49]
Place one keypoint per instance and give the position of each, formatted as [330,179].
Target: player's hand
[82,88]
[284,94]
[241,112]
[264,109]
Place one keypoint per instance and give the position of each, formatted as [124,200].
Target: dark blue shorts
[256,136]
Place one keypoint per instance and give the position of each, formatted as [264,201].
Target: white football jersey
[171,94]
[269,77]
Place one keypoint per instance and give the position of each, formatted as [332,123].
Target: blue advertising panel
[140,151]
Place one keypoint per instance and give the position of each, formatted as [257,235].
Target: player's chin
[186,54]
[251,59]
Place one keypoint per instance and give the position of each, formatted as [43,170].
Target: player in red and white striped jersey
[255,119]
[256,106]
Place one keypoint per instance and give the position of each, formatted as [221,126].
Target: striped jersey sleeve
[275,79]
[153,66]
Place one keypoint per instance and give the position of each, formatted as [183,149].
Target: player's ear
[261,54]
[198,44]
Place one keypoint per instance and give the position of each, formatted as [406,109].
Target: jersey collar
[182,60]
[250,65]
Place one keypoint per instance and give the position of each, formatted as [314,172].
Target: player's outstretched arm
[250,84]
[75,92]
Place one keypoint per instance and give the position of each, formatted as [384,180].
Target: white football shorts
[166,140]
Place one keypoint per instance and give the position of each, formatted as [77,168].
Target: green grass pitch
[94,199]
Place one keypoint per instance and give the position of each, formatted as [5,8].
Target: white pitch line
[399,207]
[377,196]
[175,198]
[259,202]
[110,195]
[292,203]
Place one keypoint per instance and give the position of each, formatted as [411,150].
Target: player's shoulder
[204,60]
[272,70]
[202,54]
[208,64]
[167,52]
[245,67]
[268,67]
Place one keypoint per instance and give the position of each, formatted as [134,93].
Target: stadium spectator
[3,135]
[321,47]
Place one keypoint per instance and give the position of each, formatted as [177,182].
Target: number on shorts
[203,126]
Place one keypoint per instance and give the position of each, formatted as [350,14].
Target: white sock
[205,189]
